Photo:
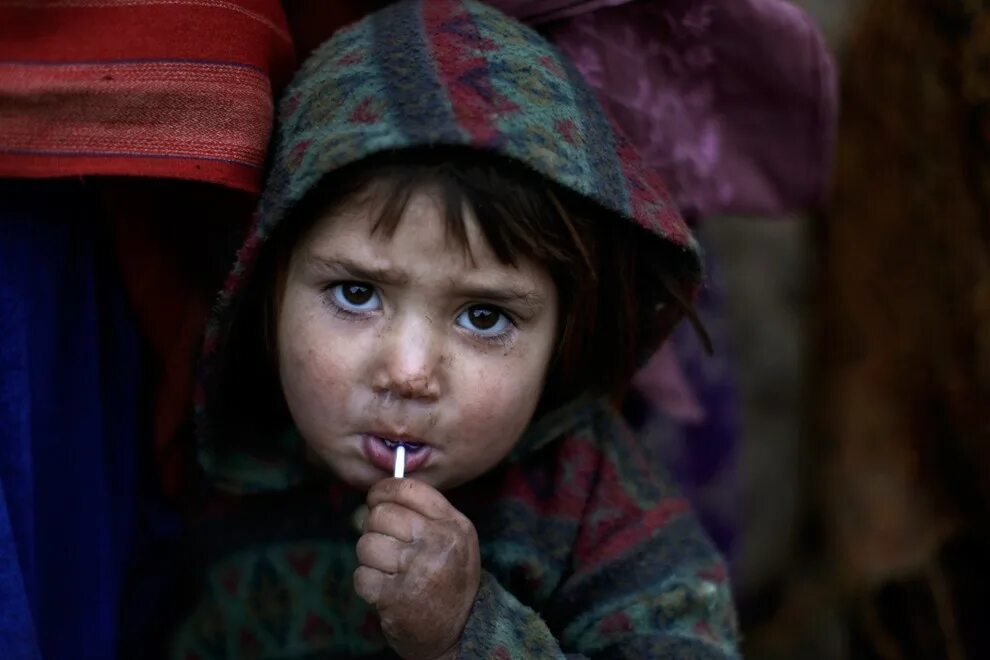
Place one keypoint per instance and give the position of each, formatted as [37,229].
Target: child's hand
[419,565]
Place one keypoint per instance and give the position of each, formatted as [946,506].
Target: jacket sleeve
[644,579]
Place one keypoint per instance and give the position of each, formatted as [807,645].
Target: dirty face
[407,339]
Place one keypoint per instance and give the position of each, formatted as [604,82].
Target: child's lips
[380,452]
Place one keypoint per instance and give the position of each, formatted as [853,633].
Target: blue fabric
[70,374]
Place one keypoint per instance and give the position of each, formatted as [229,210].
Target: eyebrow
[528,298]
[508,294]
[380,275]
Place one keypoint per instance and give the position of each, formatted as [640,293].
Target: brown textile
[906,277]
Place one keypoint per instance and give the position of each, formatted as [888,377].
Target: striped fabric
[140,87]
[441,73]
[461,74]
[586,548]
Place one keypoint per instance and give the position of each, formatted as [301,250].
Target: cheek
[315,372]
[499,392]
[311,374]
[498,402]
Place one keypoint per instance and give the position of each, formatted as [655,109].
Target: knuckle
[392,487]
[460,528]
[363,579]
[378,517]
[364,548]
[372,521]
[406,486]
[407,557]
[463,525]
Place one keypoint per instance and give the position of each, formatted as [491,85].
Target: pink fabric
[536,12]
[662,381]
[732,101]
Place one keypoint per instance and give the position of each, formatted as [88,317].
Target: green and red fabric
[440,74]
[456,74]
[587,551]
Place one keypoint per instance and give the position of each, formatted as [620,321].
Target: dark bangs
[617,284]
[517,218]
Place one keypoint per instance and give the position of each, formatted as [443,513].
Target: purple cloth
[734,103]
[537,12]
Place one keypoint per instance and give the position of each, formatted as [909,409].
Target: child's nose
[409,360]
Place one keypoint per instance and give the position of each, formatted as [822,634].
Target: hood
[436,73]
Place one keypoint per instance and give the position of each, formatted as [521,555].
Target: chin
[359,479]
[356,474]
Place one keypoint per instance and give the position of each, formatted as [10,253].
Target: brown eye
[484,320]
[355,296]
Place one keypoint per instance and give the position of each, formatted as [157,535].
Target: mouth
[380,451]
[411,447]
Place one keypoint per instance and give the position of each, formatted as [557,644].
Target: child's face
[382,339]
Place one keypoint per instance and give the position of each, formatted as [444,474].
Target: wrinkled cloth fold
[140,88]
[734,102]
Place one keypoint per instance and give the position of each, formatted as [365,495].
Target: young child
[455,255]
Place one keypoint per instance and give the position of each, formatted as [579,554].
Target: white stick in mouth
[400,462]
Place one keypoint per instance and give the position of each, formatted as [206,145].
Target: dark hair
[616,282]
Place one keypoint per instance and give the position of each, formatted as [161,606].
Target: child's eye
[484,320]
[355,297]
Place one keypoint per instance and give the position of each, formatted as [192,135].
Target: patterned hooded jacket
[586,549]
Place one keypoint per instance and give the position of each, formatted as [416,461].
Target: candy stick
[400,462]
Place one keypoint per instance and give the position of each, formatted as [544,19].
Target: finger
[369,583]
[394,520]
[381,552]
[413,494]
